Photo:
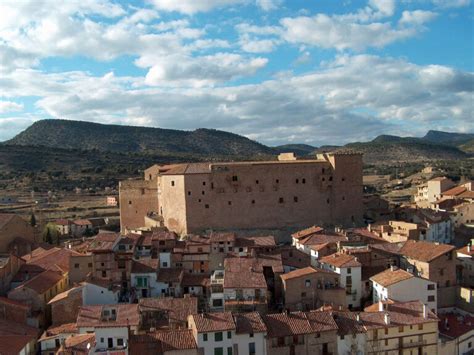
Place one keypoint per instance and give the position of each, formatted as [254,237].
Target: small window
[76,266]
[343,179]
[386,341]
[189,193]
[431,298]
[343,198]
[257,182]
[253,202]
[206,206]
[218,336]
[327,201]
[323,170]
[386,331]
[89,265]
[203,183]
[307,283]
[234,178]
[229,203]
[280,200]
[431,287]
[297,181]
[295,198]
[349,270]
[203,192]
[120,342]
[172,182]
[229,350]
[129,202]
[104,273]
[277,181]
[330,178]
[229,335]
[303,181]
[420,326]
[400,329]
[204,337]
[303,294]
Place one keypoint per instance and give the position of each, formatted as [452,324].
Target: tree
[47,236]
[33,220]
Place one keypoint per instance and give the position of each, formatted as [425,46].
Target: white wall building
[96,294]
[400,285]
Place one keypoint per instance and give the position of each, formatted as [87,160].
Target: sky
[295,71]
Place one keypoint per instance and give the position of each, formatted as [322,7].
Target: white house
[351,333]
[143,278]
[99,292]
[112,325]
[350,270]
[221,333]
[435,227]
[400,285]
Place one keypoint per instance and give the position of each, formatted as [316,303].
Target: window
[206,206]
[199,250]
[104,273]
[229,203]
[277,181]
[253,202]
[322,170]
[119,342]
[327,201]
[189,193]
[229,335]
[386,342]
[431,287]
[431,298]
[252,348]
[349,270]
[448,283]
[57,343]
[172,182]
[229,350]
[386,331]
[257,182]
[218,351]
[469,345]
[165,264]
[203,183]
[204,337]
[129,202]
[297,181]
[303,294]
[307,283]
[303,181]
[295,198]
[251,335]
[281,341]
[330,178]
[441,271]
[203,192]
[400,329]
[420,326]
[218,336]
[89,265]
[234,178]
[280,200]
[76,266]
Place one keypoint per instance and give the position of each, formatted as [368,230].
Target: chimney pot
[425,311]
[380,306]
[386,318]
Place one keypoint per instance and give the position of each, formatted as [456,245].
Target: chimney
[386,318]
[369,227]
[425,311]
[358,317]
[393,267]
[469,248]
[380,306]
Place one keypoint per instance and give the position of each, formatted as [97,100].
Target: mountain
[298,149]
[454,139]
[129,139]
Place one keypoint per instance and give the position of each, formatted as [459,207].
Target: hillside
[298,149]
[129,139]
[454,139]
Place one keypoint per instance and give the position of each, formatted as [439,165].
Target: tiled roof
[162,341]
[42,282]
[214,322]
[467,194]
[256,241]
[191,168]
[464,251]
[82,222]
[307,232]
[56,259]
[195,280]
[104,242]
[217,237]
[4,300]
[400,313]
[272,260]
[14,344]
[61,329]
[65,294]
[163,236]
[178,308]
[249,323]
[62,222]
[303,272]
[91,316]
[145,265]
[347,323]
[455,325]
[340,260]
[12,328]
[243,273]
[325,238]
[424,251]
[321,321]
[391,248]
[283,324]
[294,258]
[455,191]
[5,218]
[78,343]
[169,275]
[390,277]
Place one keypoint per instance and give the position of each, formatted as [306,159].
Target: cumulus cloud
[10,106]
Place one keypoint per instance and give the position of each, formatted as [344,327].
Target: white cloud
[193,6]
[451,3]
[417,17]
[10,106]
[268,5]
[385,7]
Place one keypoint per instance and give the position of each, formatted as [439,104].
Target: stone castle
[285,193]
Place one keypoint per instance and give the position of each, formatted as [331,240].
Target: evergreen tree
[47,236]
[33,220]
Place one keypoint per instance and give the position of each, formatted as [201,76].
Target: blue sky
[316,72]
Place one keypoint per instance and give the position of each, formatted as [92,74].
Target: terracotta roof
[169,275]
[467,194]
[283,324]
[424,251]
[249,323]
[195,280]
[256,241]
[390,277]
[340,260]
[303,272]
[217,237]
[294,258]
[464,251]
[455,325]
[321,321]
[243,273]
[177,308]
[14,344]
[347,323]
[325,238]
[455,191]
[272,260]
[391,248]
[12,328]
[104,242]
[62,222]
[65,294]
[145,265]
[307,232]
[214,322]
[190,168]
[61,329]
[4,300]
[400,313]
[56,259]
[42,282]
[318,247]
[78,343]
[375,307]
[162,341]
[440,178]
[91,316]
[163,236]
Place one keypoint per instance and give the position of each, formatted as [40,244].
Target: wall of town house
[172,205]
[312,344]
[17,227]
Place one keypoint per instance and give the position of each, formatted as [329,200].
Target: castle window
[297,181]
[323,179]
[212,185]
[189,193]
[343,179]
[295,198]
[280,200]
[129,202]
[229,203]
[199,200]
[203,192]
[323,170]
[203,183]
[256,181]
[253,202]
[143,191]
[303,181]
[343,198]
[277,181]
[330,178]
[206,206]
[172,182]
[234,178]
[327,201]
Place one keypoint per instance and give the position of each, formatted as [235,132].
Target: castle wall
[137,198]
